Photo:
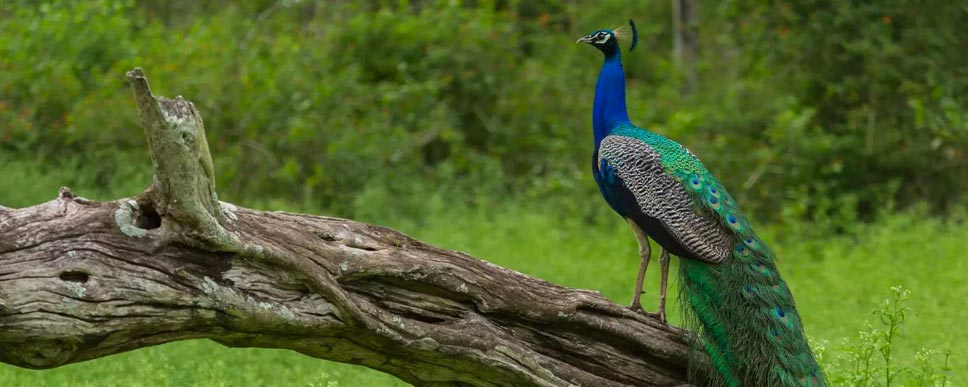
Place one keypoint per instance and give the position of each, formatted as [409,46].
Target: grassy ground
[837,282]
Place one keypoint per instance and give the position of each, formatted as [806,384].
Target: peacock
[740,308]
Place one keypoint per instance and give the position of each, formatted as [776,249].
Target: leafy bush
[870,358]
[826,112]
[880,93]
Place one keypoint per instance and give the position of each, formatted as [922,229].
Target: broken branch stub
[81,280]
[184,180]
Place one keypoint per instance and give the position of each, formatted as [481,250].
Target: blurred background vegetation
[818,108]
[829,121]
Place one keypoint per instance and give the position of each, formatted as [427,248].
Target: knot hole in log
[147,217]
[75,276]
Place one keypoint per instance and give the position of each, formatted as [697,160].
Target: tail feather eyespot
[695,183]
[748,291]
[759,267]
[783,316]
[714,202]
[751,243]
[742,251]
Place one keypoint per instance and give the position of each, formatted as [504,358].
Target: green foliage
[28,182]
[837,114]
[870,359]
[878,92]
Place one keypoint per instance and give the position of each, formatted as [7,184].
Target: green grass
[200,363]
[838,282]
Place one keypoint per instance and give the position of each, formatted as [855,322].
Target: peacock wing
[663,194]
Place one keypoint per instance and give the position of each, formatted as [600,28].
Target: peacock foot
[637,308]
[661,316]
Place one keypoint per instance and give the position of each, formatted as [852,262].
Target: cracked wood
[81,279]
[75,287]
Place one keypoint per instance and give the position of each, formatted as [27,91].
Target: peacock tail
[746,320]
[740,308]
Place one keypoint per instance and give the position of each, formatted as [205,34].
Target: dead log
[81,279]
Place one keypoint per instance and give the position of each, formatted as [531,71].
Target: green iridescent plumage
[741,308]
[733,296]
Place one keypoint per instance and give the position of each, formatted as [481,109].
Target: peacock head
[607,40]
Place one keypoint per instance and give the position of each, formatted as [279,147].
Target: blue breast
[610,186]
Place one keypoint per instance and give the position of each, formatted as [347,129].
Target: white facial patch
[604,38]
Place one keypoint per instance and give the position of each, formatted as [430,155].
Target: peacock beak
[586,39]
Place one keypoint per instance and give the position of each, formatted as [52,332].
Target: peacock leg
[645,251]
[664,264]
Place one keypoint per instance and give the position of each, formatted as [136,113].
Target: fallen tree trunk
[81,279]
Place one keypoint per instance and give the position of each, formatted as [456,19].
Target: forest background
[840,126]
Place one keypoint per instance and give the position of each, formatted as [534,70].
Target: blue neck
[609,111]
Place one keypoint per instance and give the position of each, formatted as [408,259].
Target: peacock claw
[658,316]
[635,307]
[655,315]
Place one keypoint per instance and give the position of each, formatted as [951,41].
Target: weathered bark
[81,279]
